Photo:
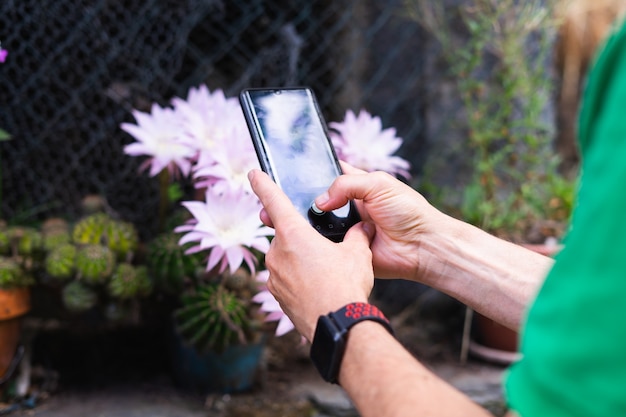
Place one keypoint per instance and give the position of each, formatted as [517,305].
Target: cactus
[90,229]
[5,241]
[212,318]
[94,263]
[168,264]
[60,261]
[122,238]
[12,275]
[92,203]
[53,224]
[25,241]
[129,281]
[78,297]
[56,232]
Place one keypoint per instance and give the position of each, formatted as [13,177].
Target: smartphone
[292,143]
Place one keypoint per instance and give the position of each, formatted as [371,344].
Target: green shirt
[574,340]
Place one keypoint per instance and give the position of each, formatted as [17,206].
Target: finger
[360,235]
[278,207]
[349,169]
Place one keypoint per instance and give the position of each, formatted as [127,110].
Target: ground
[125,374]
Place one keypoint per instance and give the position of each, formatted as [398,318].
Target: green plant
[78,297]
[129,281]
[497,53]
[92,260]
[168,264]
[20,254]
[61,261]
[212,317]
[94,263]
[12,275]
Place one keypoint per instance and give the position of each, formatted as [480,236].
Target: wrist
[331,336]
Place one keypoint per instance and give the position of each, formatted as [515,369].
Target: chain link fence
[76,68]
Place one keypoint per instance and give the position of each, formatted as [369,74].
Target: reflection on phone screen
[298,150]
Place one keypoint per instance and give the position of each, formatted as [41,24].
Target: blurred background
[77,68]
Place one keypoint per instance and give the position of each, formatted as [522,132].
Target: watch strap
[353,313]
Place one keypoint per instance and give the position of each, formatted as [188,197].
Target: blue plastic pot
[233,370]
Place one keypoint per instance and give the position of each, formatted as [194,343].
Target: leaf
[174,192]
[4,135]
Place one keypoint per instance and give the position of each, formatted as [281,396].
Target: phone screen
[293,148]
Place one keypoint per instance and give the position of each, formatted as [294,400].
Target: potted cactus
[219,334]
[216,268]
[217,338]
[20,253]
[211,270]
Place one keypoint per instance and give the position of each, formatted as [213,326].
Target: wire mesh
[76,68]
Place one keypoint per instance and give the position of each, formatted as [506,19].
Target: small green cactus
[129,281]
[61,261]
[55,223]
[78,297]
[25,241]
[122,238]
[92,203]
[56,238]
[169,265]
[12,275]
[56,232]
[90,229]
[212,318]
[94,263]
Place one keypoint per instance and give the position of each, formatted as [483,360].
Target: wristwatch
[331,334]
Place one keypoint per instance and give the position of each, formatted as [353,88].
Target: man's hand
[404,219]
[310,275]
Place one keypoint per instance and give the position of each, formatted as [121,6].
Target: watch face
[327,349]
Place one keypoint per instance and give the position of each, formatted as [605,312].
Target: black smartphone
[291,141]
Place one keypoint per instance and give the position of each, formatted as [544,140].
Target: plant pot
[492,341]
[14,303]
[231,371]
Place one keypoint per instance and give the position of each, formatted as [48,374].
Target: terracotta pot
[492,341]
[495,342]
[14,303]
[494,335]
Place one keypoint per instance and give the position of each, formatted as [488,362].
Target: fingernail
[322,199]
[250,175]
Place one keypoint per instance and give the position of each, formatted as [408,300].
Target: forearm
[383,379]
[493,276]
